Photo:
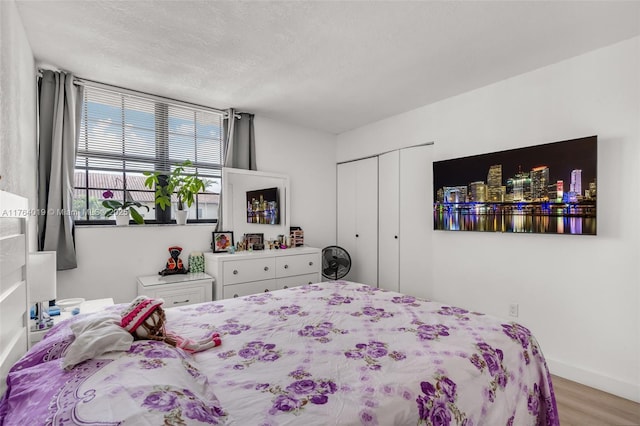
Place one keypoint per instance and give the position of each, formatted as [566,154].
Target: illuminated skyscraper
[495,190]
[519,187]
[540,183]
[560,189]
[576,182]
[592,190]
[455,194]
[478,192]
[556,191]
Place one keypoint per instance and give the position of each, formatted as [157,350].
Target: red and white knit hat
[138,311]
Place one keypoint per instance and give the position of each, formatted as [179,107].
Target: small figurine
[145,319]
[174,264]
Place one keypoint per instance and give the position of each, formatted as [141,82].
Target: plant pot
[122,217]
[181,217]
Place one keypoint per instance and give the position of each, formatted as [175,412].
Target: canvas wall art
[549,188]
[263,206]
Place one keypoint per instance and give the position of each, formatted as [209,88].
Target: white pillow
[96,335]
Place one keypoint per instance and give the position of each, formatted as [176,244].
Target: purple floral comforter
[329,353]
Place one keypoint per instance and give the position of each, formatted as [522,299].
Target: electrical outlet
[513,310]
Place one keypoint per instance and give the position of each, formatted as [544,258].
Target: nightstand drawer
[177,290]
[180,297]
[242,271]
[287,266]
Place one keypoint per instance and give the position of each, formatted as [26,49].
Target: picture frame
[549,188]
[222,241]
[263,206]
[253,239]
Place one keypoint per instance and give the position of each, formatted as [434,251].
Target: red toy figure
[174,264]
[145,319]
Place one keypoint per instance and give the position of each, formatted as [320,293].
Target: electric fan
[336,262]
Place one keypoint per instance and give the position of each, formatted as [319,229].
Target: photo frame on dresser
[255,241]
[221,241]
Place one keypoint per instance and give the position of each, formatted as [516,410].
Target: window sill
[135,225]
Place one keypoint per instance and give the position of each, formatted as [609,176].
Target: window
[122,135]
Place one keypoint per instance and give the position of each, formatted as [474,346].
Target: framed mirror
[248,195]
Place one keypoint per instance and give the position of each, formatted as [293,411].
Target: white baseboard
[627,390]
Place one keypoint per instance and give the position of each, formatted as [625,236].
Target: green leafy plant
[185,186]
[113,206]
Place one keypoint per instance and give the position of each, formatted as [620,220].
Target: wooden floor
[579,405]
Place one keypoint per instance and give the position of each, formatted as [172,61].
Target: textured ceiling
[329,65]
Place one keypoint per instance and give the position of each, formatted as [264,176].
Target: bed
[338,353]
[13,283]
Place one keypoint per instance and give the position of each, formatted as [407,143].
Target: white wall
[309,158]
[17,111]
[110,257]
[578,294]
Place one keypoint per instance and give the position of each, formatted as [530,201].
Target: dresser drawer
[237,290]
[297,280]
[183,296]
[245,270]
[287,266]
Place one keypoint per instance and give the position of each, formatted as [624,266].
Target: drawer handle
[266,290]
[184,301]
[286,286]
[286,266]
[310,263]
[235,272]
[235,295]
[266,268]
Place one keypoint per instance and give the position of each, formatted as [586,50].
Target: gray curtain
[239,147]
[59,102]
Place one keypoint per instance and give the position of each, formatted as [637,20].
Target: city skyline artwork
[547,188]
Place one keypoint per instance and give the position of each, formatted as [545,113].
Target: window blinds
[128,133]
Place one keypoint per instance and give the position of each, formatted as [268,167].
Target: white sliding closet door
[357,217]
[416,221]
[389,221]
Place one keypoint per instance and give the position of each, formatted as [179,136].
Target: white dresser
[244,273]
[179,289]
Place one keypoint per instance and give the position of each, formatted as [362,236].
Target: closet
[357,217]
[384,205]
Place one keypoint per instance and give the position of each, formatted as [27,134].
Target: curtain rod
[386,152]
[85,82]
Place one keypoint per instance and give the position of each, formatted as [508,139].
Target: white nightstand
[178,289]
[86,307]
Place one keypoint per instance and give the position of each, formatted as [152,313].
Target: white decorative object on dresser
[244,273]
[178,289]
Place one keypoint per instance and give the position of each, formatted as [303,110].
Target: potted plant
[121,210]
[185,187]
